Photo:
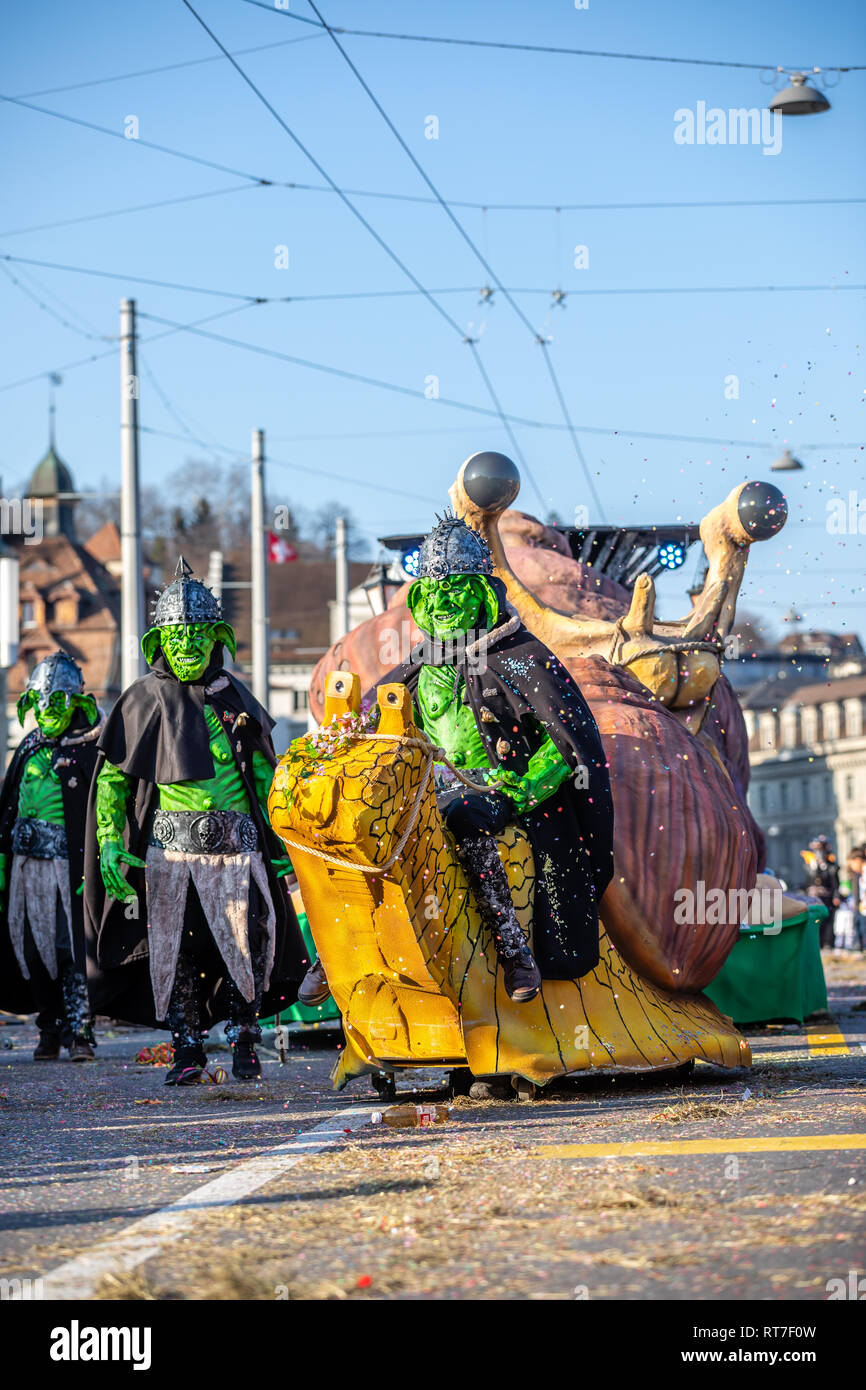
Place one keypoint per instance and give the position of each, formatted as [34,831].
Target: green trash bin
[326,1013]
[773,975]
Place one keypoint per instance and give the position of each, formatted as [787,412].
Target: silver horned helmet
[56,672]
[185,600]
[452,547]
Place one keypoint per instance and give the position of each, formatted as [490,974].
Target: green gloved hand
[283,867]
[509,784]
[112,857]
[546,772]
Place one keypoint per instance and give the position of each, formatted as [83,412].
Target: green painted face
[55,719]
[444,607]
[188,648]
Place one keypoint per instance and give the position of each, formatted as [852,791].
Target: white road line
[145,1238]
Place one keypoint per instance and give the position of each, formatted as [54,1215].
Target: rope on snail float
[433,755]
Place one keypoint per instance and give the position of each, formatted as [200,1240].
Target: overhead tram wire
[136,207]
[544,48]
[140,142]
[112,351]
[339,295]
[341,372]
[138,279]
[479,256]
[166,67]
[380,241]
[296,467]
[258,180]
[196,326]
[415,394]
[173,410]
[64,322]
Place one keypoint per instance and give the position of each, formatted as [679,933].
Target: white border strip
[145,1238]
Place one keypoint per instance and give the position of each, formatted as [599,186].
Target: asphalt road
[735,1185]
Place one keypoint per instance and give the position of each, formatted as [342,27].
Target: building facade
[69,596]
[807,748]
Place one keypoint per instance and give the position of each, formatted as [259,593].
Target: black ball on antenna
[491,481]
[762,510]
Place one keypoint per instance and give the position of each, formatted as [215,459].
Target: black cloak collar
[157,731]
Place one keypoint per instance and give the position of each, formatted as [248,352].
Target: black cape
[74,759]
[156,733]
[525,686]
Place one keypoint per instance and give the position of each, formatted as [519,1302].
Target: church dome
[50,476]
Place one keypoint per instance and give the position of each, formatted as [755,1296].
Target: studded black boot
[188,1065]
[48,1047]
[489,880]
[245,1063]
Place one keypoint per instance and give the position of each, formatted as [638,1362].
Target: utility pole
[259,571]
[131,579]
[215,574]
[342,567]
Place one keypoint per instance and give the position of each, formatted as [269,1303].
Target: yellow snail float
[402,940]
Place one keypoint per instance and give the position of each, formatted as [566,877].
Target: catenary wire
[549,48]
[420,198]
[166,67]
[297,467]
[380,240]
[338,295]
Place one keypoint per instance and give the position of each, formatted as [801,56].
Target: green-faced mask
[188,647]
[458,603]
[55,717]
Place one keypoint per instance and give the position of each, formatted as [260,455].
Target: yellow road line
[826,1044]
[770,1143]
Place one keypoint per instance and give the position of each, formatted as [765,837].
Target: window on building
[302,699]
[762,798]
[829,722]
[853,718]
[28,613]
[804,791]
[809,723]
[849,787]
[783,795]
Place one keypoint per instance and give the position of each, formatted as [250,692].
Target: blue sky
[512,127]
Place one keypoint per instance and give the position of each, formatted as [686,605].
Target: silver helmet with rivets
[56,672]
[452,547]
[185,600]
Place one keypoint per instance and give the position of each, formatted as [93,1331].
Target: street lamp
[380,586]
[786,463]
[799,99]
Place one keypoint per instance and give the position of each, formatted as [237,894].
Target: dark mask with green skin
[187,647]
[55,717]
[459,603]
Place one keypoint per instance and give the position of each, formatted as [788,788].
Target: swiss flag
[279,550]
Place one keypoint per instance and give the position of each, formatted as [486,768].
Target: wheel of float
[384,1085]
[459,1081]
[677,1076]
[526,1090]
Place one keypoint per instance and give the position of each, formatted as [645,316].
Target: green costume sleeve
[112,793]
[546,772]
[263,776]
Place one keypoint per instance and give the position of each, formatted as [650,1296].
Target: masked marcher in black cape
[505,709]
[42,811]
[188,920]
